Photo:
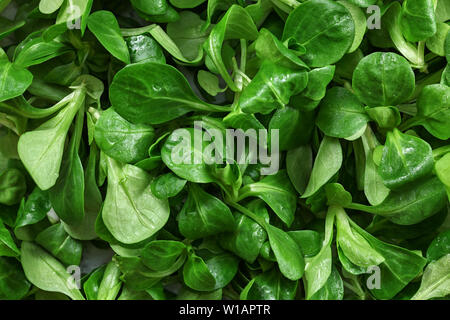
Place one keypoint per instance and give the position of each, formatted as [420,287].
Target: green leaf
[183,4]
[67,195]
[271,88]
[299,163]
[139,214]
[188,34]
[318,80]
[93,201]
[433,111]
[392,19]
[159,255]
[235,24]
[153,7]
[8,247]
[204,215]
[246,241]
[360,21]
[121,140]
[104,26]
[341,115]
[374,189]
[137,276]
[418,13]
[325,28]
[385,117]
[56,241]
[288,254]
[363,3]
[14,79]
[412,205]
[295,127]
[92,284]
[436,43]
[13,284]
[337,195]
[270,285]
[328,161]
[49,6]
[268,47]
[442,167]
[41,150]
[167,186]
[355,248]
[439,247]
[435,280]
[223,268]
[110,285]
[333,288]
[277,192]
[308,241]
[196,274]
[34,209]
[35,50]
[153,93]
[185,157]
[9,26]
[442,11]
[71,11]
[143,48]
[12,186]
[400,267]
[383,79]
[209,82]
[45,272]
[318,268]
[405,159]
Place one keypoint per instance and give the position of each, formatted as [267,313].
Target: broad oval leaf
[122,140]
[153,93]
[418,13]
[383,79]
[433,110]
[50,6]
[405,159]
[131,212]
[341,115]
[167,186]
[325,28]
[14,79]
[204,215]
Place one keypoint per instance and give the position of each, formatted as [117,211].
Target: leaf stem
[248,213]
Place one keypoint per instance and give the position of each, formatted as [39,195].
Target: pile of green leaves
[92,97]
